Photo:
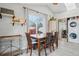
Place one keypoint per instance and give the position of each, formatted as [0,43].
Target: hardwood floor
[64,49]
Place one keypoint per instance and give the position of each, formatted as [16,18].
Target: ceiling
[59,8]
[62,7]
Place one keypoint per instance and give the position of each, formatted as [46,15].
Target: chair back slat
[49,37]
[56,35]
[28,38]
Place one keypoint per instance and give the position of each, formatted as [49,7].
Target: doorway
[62,28]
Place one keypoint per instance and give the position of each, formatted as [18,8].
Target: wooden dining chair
[56,39]
[50,41]
[31,43]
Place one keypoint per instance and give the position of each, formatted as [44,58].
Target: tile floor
[64,49]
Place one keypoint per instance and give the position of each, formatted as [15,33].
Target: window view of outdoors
[35,21]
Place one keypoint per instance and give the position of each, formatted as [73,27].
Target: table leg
[57,43]
[39,51]
[45,48]
[38,47]
[45,52]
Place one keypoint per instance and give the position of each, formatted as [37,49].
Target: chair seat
[41,41]
[36,42]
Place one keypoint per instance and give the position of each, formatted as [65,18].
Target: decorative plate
[73,24]
[73,35]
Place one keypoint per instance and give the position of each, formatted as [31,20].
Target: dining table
[39,38]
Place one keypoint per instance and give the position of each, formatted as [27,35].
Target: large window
[36,22]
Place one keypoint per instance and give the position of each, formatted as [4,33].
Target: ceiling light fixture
[55,3]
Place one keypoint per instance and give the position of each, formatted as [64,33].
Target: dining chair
[56,39]
[31,43]
[50,41]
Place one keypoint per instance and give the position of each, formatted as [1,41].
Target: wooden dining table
[39,38]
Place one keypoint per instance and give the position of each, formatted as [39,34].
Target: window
[36,22]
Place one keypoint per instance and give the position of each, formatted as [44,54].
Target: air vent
[6,11]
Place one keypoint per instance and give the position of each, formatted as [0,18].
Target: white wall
[16,7]
[6,27]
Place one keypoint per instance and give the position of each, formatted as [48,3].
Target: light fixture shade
[18,20]
[22,21]
[55,3]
